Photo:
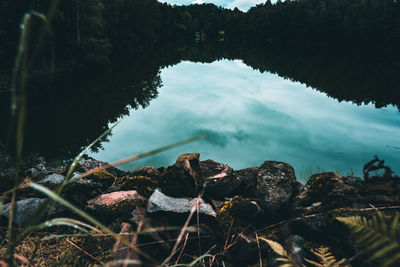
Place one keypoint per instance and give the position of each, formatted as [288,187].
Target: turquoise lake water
[250,117]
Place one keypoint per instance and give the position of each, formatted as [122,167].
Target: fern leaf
[383,251]
[377,236]
[326,258]
[395,259]
[278,249]
[314,263]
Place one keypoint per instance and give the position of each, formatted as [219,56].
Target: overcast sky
[243,5]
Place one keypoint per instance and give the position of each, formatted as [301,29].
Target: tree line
[95,33]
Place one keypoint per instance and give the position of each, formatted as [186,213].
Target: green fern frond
[284,259]
[326,258]
[378,236]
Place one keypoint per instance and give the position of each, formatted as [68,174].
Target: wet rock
[276,186]
[220,179]
[121,203]
[330,189]
[24,210]
[183,178]
[161,202]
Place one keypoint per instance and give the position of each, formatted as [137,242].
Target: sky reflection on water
[251,117]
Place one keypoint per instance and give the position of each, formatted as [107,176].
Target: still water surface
[250,117]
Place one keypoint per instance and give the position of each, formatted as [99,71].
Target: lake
[250,117]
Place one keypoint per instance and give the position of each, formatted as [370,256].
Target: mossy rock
[236,214]
[142,184]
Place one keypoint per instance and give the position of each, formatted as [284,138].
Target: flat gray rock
[24,210]
[160,202]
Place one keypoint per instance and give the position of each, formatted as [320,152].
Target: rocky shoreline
[226,210]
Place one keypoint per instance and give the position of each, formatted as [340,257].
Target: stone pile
[228,208]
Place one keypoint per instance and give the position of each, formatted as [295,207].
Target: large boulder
[273,185]
[220,179]
[276,185]
[183,179]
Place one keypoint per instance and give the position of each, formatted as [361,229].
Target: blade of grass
[193,262]
[18,110]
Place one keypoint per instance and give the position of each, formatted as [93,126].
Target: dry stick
[198,225]
[229,232]
[183,248]
[318,214]
[259,249]
[84,251]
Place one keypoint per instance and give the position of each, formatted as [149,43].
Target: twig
[319,214]
[84,251]
[183,248]
[227,236]
[259,249]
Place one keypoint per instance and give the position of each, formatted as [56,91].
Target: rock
[294,247]
[147,171]
[237,214]
[121,203]
[143,184]
[161,202]
[248,182]
[276,186]
[183,178]
[84,189]
[24,210]
[52,179]
[331,189]
[37,172]
[220,179]
[87,163]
